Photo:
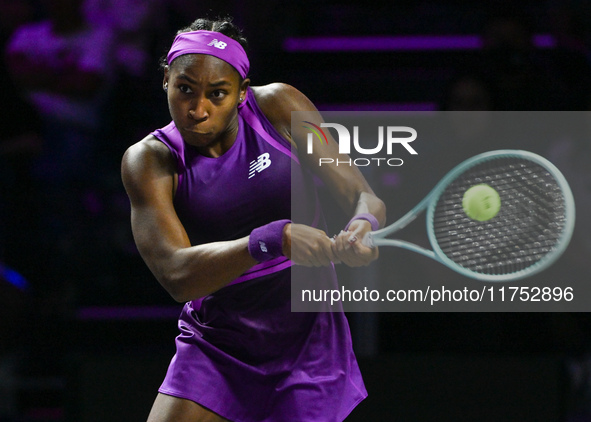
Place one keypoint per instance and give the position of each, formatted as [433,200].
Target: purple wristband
[266,242]
[365,216]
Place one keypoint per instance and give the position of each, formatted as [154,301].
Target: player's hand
[308,246]
[348,246]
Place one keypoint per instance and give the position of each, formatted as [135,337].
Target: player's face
[203,95]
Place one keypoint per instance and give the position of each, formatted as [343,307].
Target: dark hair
[223,25]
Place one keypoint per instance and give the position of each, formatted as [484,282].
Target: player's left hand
[348,246]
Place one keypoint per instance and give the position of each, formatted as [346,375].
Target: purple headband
[213,43]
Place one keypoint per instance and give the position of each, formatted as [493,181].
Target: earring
[166,87]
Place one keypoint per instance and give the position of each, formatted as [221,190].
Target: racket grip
[368,240]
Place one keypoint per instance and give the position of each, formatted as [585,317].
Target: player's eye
[218,93]
[185,89]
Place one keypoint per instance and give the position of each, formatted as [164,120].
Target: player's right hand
[308,246]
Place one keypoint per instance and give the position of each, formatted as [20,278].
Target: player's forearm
[191,273]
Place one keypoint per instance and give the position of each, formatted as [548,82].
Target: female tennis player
[211,215]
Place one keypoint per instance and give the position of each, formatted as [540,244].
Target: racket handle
[368,240]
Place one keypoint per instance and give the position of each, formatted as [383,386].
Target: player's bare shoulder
[278,100]
[147,151]
[144,160]
[281,97]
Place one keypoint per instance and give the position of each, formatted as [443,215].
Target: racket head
[529,233]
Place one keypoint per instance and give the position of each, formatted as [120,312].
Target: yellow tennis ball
[481,202]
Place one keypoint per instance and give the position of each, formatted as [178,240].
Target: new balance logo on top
[256,166]
[218,44]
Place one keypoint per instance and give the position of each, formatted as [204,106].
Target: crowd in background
[79,83]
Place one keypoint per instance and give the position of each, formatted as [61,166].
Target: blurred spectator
[64,68]
[20,142]
[136,27]
[511,61]
[526,77]
[133,22]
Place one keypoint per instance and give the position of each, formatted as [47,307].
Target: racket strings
[527,228]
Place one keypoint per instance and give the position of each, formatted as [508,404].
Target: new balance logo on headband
[218,44]
[256,166]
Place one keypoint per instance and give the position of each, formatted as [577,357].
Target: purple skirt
[244,355]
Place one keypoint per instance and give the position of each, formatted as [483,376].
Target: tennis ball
[481,202]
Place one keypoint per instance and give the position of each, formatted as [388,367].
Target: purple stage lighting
[397,43]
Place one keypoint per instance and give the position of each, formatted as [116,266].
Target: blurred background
[86,332]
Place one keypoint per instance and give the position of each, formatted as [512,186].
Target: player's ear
[166,77]
[243,87]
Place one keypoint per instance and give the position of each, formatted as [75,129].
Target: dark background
[91,337]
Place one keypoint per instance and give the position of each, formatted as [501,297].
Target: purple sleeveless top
[242,353]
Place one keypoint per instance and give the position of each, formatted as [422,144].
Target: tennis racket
[530,231]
